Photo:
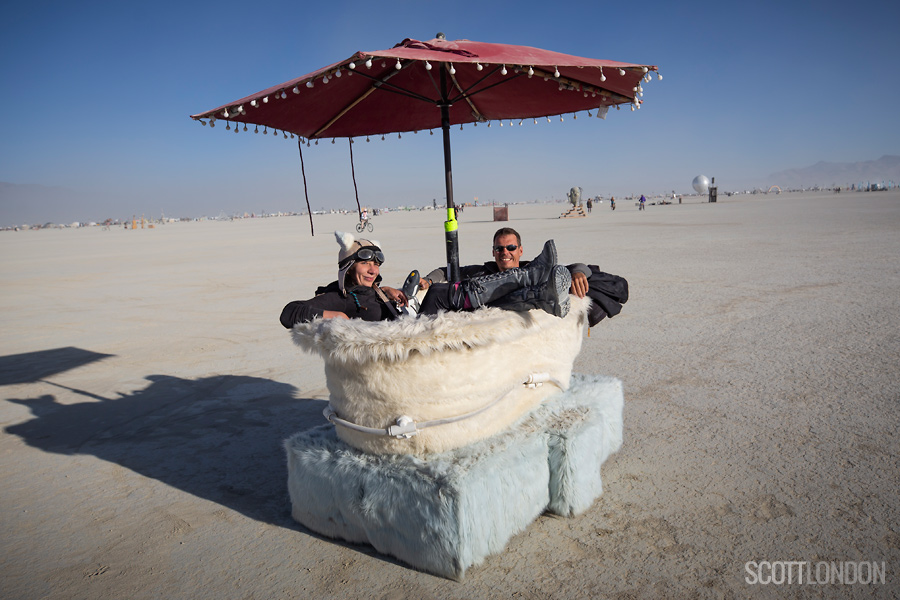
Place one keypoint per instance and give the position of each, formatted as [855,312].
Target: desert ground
[147,387]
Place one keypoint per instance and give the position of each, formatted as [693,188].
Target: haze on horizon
[99,97]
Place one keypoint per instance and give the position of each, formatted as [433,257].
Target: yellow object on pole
[451,224]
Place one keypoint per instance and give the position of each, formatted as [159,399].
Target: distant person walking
[612,203]
[590,205]
[641,205]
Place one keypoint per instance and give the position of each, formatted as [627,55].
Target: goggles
[369,253]
[508,248]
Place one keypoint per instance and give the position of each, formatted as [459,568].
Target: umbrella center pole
[451,225]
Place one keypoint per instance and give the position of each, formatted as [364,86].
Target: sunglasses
[364,254]
[508,248]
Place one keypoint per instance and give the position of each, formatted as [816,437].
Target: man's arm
[580,273]
[439,275]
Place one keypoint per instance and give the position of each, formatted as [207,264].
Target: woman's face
[364,272]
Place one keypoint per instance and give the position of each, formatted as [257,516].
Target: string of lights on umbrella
[564,84]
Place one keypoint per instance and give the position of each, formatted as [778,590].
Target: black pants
[436,299]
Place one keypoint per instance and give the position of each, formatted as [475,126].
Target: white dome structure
[701,184]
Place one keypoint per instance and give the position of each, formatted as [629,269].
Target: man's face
[507,259]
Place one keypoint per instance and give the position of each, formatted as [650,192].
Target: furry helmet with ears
[347,256]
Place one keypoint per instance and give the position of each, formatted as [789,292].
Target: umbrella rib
[619,98]
[386,84]
[434,84]
[465,95]
[486,75]
[379,83]
[343,112]
[404,92]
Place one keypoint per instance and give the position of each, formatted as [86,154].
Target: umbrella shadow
[30,367]
[218,438]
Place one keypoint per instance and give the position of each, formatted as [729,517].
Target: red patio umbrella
[418,85]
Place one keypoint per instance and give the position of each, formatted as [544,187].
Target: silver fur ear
[344,239]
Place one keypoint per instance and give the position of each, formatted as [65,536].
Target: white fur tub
[431,368]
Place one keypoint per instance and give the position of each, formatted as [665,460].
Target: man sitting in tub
[507,250]
[608,292]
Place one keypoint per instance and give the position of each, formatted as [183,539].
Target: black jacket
[609,293]
[361,302]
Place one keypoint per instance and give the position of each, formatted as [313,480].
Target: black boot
[551,296]
[487,288]
[541,267]
[410,289]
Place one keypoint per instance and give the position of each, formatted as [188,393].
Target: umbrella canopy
[399,90]
[420,85]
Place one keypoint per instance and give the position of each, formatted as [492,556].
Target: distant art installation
[701,184]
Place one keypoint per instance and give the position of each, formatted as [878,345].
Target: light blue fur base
[578,447]
[447,512]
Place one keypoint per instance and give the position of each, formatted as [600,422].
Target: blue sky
[96,99]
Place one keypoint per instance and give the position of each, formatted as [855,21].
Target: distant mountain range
[886,168]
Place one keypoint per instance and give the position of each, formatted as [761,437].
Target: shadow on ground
[218,438]
[34,366]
